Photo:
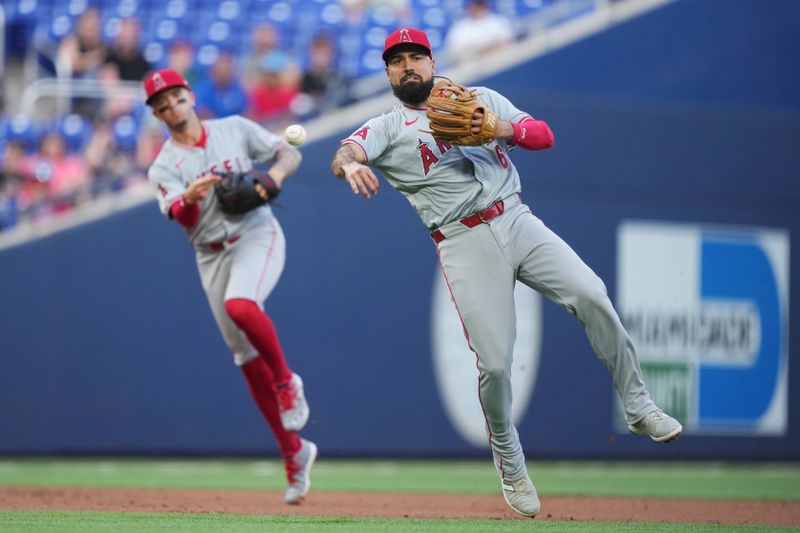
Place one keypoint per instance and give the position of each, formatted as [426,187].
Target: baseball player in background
[239,257]
[467,193]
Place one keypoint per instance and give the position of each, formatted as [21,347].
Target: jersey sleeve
[373,138]
[502,106]
[261,144]
[167,184]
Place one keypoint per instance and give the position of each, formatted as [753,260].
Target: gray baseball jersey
[232,144]
[482,262]
[238,256]
[442,182]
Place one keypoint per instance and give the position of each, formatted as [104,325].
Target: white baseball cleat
[521,496]
[658,425]
[292,404]
[298,472]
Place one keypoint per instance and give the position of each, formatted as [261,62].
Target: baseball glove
[236,191]
[451,108]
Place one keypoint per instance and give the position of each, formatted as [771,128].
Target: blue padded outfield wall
[674,176]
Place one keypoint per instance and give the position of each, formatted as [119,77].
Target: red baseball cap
[406,36]
[161,80]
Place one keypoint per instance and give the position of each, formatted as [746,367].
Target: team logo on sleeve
[362,133]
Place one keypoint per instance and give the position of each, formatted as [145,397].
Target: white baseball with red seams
[295,135]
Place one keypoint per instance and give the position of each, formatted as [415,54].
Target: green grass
[668,480]
[679,480]
[68,522]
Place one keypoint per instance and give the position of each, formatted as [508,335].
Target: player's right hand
[199,188]
[361,179]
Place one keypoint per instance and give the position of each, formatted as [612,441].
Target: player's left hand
[456,116]
[477,121]
[239,192]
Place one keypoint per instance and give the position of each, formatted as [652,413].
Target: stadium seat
[76,131]
[16,10]
[435,36]
[207,54]
[176,9]
[331,15]
[224,34]
[73,8]
[20,128]
[126,131]
[155,53]
[110,26]
[434,17]
[124,8]
[57,28]
[230,10]
[281,13]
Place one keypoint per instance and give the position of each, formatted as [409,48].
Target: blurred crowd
[104,143]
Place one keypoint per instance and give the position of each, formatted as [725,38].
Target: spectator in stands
[181,57]
[83,51]
[111,156]
[221,94]
[322,80]
[126,53]
[265,40]
[81,54]
[152,135]
[277,86]
[11,180]
[111,106]
[9,187]
[13,159]
[481,31]
[65,175]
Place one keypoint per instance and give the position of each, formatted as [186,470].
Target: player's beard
[413,93]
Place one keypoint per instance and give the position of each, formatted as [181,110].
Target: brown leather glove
[451,110]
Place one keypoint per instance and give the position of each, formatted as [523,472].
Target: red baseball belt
[494,210]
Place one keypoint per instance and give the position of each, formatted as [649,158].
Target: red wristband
[533,135]
[186,214]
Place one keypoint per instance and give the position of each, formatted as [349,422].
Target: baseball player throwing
[239,256]
[445,148]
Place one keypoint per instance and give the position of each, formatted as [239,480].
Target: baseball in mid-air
[295,135]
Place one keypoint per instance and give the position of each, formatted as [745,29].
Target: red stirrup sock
[259,381]
[261,333]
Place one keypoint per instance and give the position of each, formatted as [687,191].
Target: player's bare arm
[287,161]
[348,164]
[199,188]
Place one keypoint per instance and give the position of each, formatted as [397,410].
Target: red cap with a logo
[161,80]
[406,36]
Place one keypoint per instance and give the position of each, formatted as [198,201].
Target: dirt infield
[389,505]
